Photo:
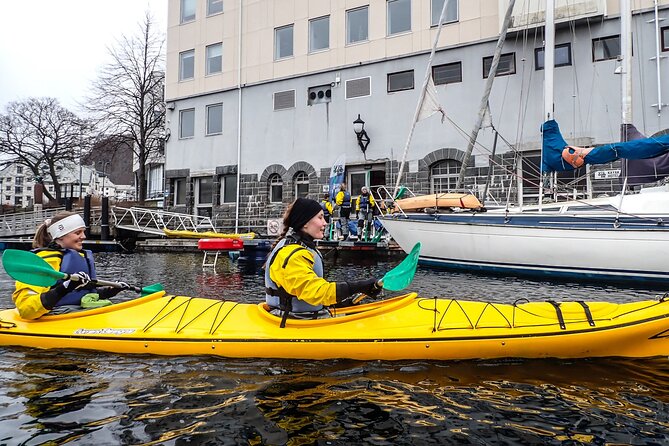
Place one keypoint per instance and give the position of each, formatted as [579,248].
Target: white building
[274,101]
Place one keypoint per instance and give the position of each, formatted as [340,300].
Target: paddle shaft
[100,282]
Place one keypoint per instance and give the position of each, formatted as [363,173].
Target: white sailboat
[619,239]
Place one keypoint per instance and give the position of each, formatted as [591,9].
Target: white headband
[65,226]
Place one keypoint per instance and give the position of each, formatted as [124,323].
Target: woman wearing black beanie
[294,281]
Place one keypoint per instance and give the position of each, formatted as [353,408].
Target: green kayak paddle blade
[153,288]
[28,267]
[401,276]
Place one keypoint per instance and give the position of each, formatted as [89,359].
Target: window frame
[208,131]
[208,59]
[311,34]
[301,178]
[275,181]
[224,192]
[182,56]
[434,78]
[388,18]
[209,3]
[451,178]
[601,39]
[189,19]
[181,122]
[664,37]
[348,27]
[397,73]
[179,188]
[542,50]
[485,75]
[198,192]
[277,30]
[434,20]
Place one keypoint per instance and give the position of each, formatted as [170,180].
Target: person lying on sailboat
[294,282]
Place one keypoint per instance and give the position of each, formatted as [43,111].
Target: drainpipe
[239,117]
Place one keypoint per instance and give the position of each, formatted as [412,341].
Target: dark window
[229,186]
[301,184]
[449,73]
[605,48]
[275,188]
[444,176]
[400,81]
[665,38]
[205,189]
[562,56]
[179,191]
[506,66]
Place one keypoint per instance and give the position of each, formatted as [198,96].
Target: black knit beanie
[302,211]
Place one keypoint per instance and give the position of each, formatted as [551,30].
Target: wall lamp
[363,137]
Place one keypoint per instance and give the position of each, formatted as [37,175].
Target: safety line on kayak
[224,317]
[219,303]
[188,301]
[154,321]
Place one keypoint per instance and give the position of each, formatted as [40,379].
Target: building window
[205,191]
[275,188]
[19,169]
[214,119]
[506,66]
[179,190]
[400,81]
[186,65]
[187,11]
[605,48]
[449,73]
[319,34]
[301,181]
[283,42]
[214,58]
[665,38]
[562,56]
[214,6]
[451,11]
[18,189]
[228,188]
[18,181]
[399,16]
[444,176]
[357,25]
[187,123]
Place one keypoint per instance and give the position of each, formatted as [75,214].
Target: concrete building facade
[262,94]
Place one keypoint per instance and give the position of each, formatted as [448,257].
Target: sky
[55,47]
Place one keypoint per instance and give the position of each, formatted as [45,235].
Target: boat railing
[386,201]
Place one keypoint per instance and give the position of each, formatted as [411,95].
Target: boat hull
[406,327]
[550,247]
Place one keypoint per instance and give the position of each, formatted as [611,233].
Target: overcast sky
[54,47]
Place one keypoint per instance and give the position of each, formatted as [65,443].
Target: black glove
[108,292]
[71,284]
[366,286]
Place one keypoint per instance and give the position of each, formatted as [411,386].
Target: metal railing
[153,221]
[25,223]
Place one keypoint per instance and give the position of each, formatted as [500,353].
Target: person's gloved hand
[111,291]
[366,286]
[71,284]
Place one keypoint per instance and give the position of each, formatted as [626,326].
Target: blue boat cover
[554,144]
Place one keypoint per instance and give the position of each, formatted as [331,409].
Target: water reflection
[94,398]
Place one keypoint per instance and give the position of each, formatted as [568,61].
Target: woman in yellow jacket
[59,241]
[294,282]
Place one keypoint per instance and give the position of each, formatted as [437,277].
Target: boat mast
[486,94]
[549,68]
[626,65]
[421,98]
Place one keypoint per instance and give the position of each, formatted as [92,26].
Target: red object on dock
[220,244]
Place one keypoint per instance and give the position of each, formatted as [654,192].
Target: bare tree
[127,99]
[40,134]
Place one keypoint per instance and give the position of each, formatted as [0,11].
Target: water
[57,397]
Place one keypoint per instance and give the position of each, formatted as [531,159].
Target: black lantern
[363,138]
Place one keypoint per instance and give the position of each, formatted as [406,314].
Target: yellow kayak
[405,327]
[207,234]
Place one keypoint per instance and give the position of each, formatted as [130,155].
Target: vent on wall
[284,100]
[319,95]
[356,88]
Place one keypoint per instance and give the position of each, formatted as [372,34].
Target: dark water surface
[77,397]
